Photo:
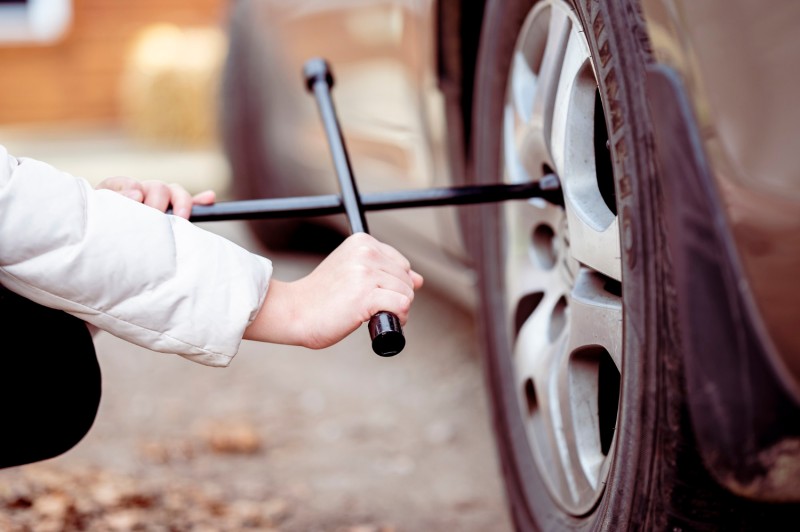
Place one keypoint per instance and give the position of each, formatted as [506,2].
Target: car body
[718,144]
[390,106]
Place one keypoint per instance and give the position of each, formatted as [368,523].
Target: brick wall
[78,78]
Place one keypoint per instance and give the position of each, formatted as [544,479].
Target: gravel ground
[283,439]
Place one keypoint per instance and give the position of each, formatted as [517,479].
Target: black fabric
[49,381]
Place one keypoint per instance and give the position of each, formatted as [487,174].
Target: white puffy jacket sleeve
[152,279]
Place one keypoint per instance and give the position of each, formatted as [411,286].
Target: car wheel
[252,98]
[583,364]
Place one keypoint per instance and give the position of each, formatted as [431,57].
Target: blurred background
[134,85]
[284,439]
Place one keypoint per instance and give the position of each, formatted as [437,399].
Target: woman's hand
[357,280]
[158,194]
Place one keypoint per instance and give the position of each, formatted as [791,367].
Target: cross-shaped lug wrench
[384,327]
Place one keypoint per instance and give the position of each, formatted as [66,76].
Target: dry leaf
[232,437]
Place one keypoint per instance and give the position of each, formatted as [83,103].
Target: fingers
[176,196]
[395,270]
[395,284]
[417,279]
[181,201]
[380,256]
[394,255]
[390,301]
[205,198]
[398,258]
[158,194]
[390,280]
[126,186]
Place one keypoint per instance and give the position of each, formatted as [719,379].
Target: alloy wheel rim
[562,264]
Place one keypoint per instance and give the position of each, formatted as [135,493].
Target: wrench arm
[384,327]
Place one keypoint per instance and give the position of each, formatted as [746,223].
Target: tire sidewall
[251,103]
[619,67]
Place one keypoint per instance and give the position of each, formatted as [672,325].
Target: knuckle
[360,238]
[367,252]
[361,269]
[410,296]
[404,304]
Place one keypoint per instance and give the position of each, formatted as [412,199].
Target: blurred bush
[170,83]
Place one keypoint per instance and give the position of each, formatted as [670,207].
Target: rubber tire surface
[657,480]
[246,107]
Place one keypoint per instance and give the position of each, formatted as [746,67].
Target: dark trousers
[49,381]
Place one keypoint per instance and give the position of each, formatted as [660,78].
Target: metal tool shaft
[319,80]
[329,204]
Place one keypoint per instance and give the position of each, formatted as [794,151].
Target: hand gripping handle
[384,327]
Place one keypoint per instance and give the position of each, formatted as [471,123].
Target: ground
[284,439]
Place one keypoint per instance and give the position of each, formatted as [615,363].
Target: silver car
[641,344]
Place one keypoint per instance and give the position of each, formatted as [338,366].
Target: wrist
[278,320]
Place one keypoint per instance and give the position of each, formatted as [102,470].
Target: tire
[598,436]
[253,97]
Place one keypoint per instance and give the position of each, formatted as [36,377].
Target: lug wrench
[385,330]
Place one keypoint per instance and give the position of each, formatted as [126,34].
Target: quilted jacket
[153,279]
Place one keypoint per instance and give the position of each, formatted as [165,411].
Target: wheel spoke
[594,238]
[532,150]
[595,316]
[534,352]
[549,77]
[577,409]
[532,92]
[570,120]
[595,330]
[596,247]
[523,84]
[537,362]
[518,158]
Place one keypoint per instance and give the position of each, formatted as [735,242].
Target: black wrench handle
[384,327]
